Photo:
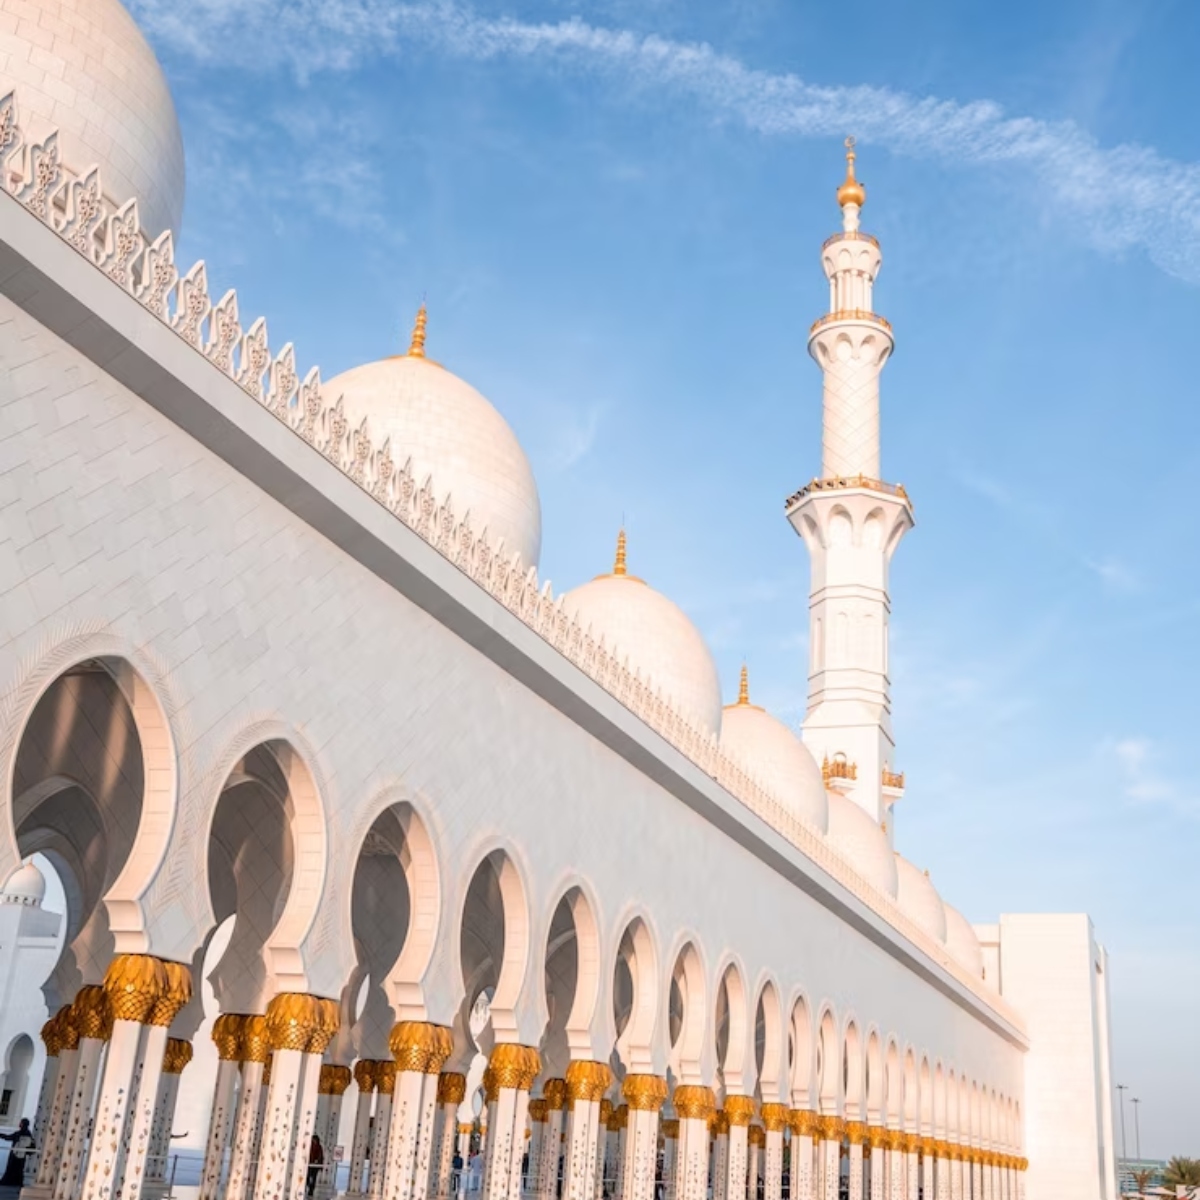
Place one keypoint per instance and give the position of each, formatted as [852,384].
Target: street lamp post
[1137,1133]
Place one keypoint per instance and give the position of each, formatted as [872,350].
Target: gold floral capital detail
[694,1102]
[293,1018]
[328,1022]
[452,1087]
[757,1135]
[555,1091]
[644,1093]
[176,1056]
[587,1081]
[774,1117]
[538,1109]
[256,1039]
[514,1066]
[419,1045]
[739,1109]
[91,1013]
[227,1036]
[877,1136]
[339,1079]
[364,1074]
[803,1122]
[176,993]
[831,1128]
[385,1076]
[133,983]
[670,1127]
[856,1132]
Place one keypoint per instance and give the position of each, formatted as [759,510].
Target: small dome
[919,900]
[26,885]
[962,943]
[653,634]
[776,757]
[84,67]
[454,436]
[862,843]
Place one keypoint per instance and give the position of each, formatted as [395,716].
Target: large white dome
[453,435]
[962,943]
[83,66]
[776,757]
[26,885]
[919,899]
[862,843]
[653,634]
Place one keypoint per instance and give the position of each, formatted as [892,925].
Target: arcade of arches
[798,1090]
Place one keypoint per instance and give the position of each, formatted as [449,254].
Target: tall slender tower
[851,522]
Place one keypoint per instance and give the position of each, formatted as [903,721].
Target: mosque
[364,832]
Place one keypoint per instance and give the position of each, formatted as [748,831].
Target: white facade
[260,675]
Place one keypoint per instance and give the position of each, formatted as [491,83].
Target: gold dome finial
[744,687]
[416,348]
[619,565]
[851,191]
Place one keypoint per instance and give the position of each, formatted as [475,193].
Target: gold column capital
[605,1111]
[227,1035]
[857,1132]
[385,1076]
[176,1056]
[133,983]
[694,1102]
[774,1117]
[420,1046]
[587,1080]
[670,1127]
[329,1020]
[803,1122]
[256,1039]
[52,1037]
[831,1128]
[465,1127]
[91,1013]
[339,1079]
[452,1087]
[757,1135]
[877,1136]
[739,1109]
[364,1074]
[293,1020]
[644,1093]
[555,1091]
[538,1109]
[176,994]
[514,1066]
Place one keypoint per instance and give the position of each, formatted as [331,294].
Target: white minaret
[851,522]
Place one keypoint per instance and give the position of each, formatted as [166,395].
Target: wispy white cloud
[574,433]
[1121,197]
[1145,782]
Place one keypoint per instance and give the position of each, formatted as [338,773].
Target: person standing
[14,1169]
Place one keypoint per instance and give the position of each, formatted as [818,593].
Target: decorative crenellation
[838,768]
[73,206]
[893,779]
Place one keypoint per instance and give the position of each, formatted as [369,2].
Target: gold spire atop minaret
[619,564]
[744,687]
[416,348]
[851,191]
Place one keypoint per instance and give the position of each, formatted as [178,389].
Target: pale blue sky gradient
[615,211]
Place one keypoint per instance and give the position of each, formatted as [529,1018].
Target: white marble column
[774,1119]
[365,1071]
[586,1083]
[694,1105]
[50,1145]
[308,1097]
[644,1096]
[94,1019]
[894,1142]
[511,1071]
[956,1172]
[877,1141]
[419,1050]
[538,1110]
[256,1051]
[720,1154]
[154,1052]
[739,1110]
[175,1058]
[381,1129]
[757,1140]
[912,1166]
[805,1127]
[832,1129]
[555,1094]
[52,1039]
[942,1171]
[670,1128]
[451,1091]
[856,1135]
[295,1023]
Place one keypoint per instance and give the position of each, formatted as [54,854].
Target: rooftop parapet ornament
[838,768]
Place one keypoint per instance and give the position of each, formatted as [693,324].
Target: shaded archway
[801,1081]
[635,998]
[852,1074]
[829,1065]
[873,1081]
[572,981]
[687,1016]
[731,1031]
[770,1063]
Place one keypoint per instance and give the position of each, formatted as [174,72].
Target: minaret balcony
[893,785]
[850,314]
[841,483]
[850,235]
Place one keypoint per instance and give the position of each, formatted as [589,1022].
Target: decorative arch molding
[738,1061]
[874,1096]
[691,1055]
[772,1074]
[143,682]
[589,949]
[829,1061]
[893,1084]
[912,1093]
[636,1045]
[850,1066]
[802,1091]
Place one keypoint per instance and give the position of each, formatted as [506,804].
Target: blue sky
[614,211]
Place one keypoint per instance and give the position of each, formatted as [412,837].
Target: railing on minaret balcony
[851,520]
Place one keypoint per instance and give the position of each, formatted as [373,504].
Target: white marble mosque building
[407,850]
